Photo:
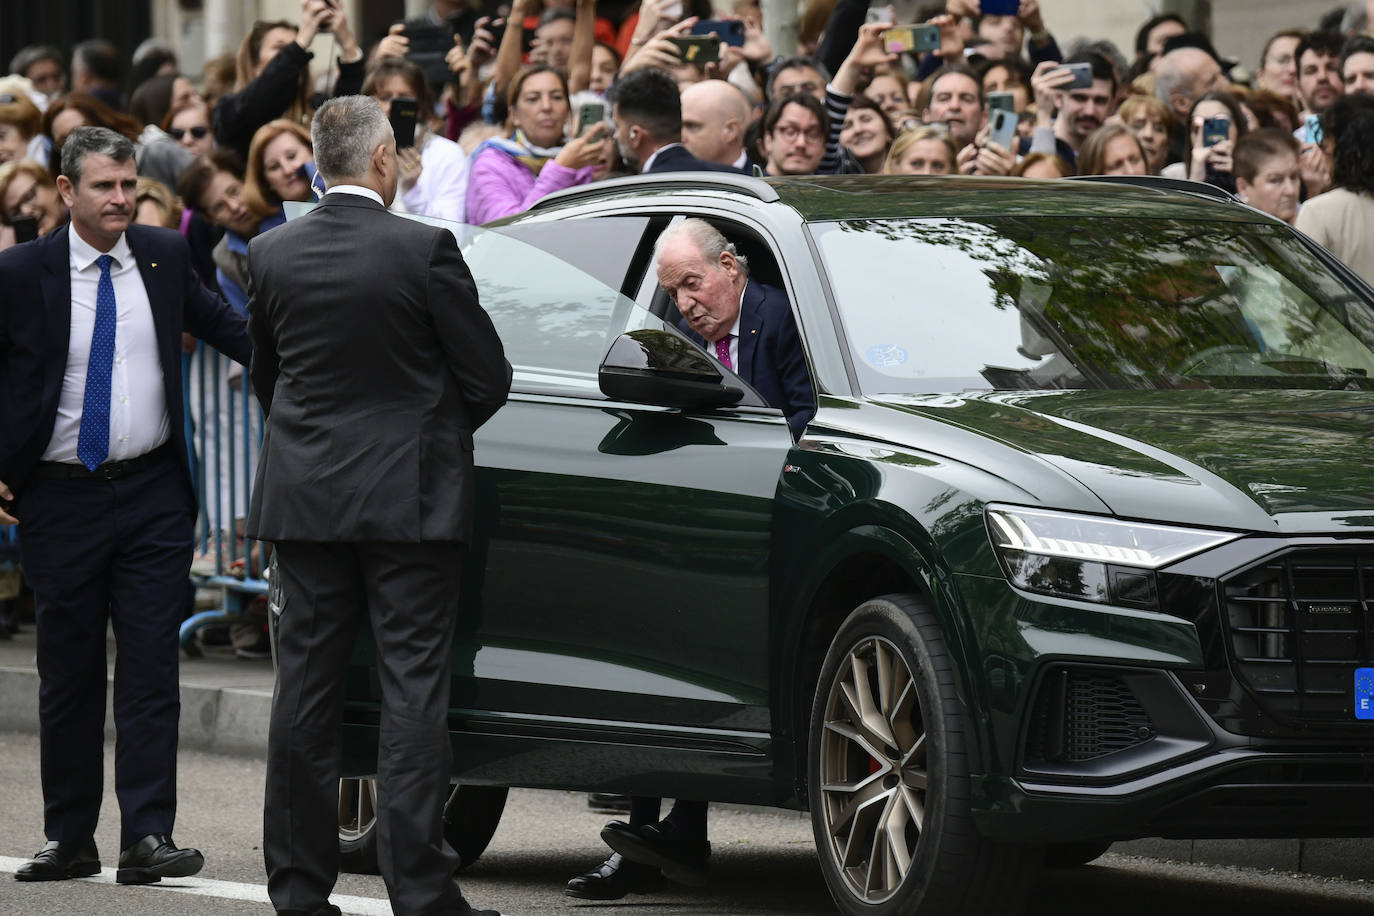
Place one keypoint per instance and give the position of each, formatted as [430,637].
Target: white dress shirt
[356,189]
[138,402]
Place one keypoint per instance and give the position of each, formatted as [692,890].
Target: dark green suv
[1078,547]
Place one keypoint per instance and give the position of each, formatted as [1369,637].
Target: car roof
[838,197]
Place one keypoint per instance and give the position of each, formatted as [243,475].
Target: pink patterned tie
[723,352]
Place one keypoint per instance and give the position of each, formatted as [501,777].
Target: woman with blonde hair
[21,124]
[156,205]
[922,151]
[1112,149]
[281,167]
[28,191]
[1152,122]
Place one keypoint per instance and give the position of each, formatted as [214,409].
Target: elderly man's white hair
[707,239]
[344,132]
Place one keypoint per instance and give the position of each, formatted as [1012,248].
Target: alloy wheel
[873,769]
[357,808]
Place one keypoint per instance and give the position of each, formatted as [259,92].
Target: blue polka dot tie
[93,444]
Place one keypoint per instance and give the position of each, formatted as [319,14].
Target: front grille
[1299,625]
[1084,714]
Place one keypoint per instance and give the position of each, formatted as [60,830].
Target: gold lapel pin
[155,263]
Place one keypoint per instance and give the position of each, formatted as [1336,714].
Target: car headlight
[1088,557]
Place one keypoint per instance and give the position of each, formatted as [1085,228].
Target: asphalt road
[763,864]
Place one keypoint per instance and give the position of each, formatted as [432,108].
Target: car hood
[1289,461]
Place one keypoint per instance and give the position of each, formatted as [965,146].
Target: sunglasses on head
[199,132]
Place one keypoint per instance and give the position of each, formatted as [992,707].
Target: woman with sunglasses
[189,126]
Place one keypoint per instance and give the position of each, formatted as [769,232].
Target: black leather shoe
[680,859]
[58,861]
[156,857]
[615,878]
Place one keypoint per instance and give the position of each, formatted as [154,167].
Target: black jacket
[35,326]
[375,364]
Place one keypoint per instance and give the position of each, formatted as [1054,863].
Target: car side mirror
[658,367]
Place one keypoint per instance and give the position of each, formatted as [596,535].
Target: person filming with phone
[1214,125]
[434,170]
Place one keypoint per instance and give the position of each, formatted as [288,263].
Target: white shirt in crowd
[138,400]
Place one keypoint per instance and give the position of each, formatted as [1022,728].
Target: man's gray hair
[707,238]
[84,141]
[1171,78]
[344,133]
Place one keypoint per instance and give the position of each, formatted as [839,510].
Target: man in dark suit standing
[375,364]
[647,110]
[749,328]
[91,414]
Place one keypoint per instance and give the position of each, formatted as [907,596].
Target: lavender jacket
[499,186]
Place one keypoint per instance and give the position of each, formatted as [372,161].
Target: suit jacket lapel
[56,283]
[156,278]
[750,324]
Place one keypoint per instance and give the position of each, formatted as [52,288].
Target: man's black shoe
[156,857]
[659,845]
[615,878]
[58,861]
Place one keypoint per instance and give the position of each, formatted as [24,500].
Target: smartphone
[730,31]
[1000,7]
[877,14]
[1001,101]
[911,39]
[404,112]
[428,46]
[673,11]
[25,228]
[1082,76]
[1313,125]
[698,49]
[1003,131]
[1215,130]
[590,114]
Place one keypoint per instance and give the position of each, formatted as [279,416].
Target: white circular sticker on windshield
[885,356]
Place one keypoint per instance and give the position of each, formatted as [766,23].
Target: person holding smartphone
[29,202]
[1215,123]
[272,69]
[434,170]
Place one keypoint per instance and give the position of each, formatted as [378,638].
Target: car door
[618,583]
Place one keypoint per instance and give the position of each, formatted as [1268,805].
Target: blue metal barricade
[224,430]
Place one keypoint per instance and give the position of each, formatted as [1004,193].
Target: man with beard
[1319,71]
[94,451]
[1079,111]
[794,132]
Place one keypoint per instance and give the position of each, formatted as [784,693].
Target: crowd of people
[499,123]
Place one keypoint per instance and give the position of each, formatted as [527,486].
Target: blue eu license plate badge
[1364,693]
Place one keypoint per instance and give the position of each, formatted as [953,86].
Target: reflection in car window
[1043,303]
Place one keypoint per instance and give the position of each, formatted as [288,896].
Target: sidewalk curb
[220,720]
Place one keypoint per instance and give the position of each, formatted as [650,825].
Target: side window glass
[552,290]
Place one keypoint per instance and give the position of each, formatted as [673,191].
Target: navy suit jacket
[35,327]
[676,158]
[770,354]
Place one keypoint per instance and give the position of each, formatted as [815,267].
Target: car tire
[887,770]
[1070,855]
[470,820]
[358,825]
[471,817]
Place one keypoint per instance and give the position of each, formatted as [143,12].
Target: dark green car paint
[599,654]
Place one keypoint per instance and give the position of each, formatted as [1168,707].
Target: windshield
[1015,303]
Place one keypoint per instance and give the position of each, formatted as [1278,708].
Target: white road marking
[225,890]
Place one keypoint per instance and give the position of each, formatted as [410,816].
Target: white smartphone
[673,10]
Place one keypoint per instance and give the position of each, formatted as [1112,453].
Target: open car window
[552,290]
[946,305]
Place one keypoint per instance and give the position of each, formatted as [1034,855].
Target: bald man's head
[714,116]
[1184,75]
